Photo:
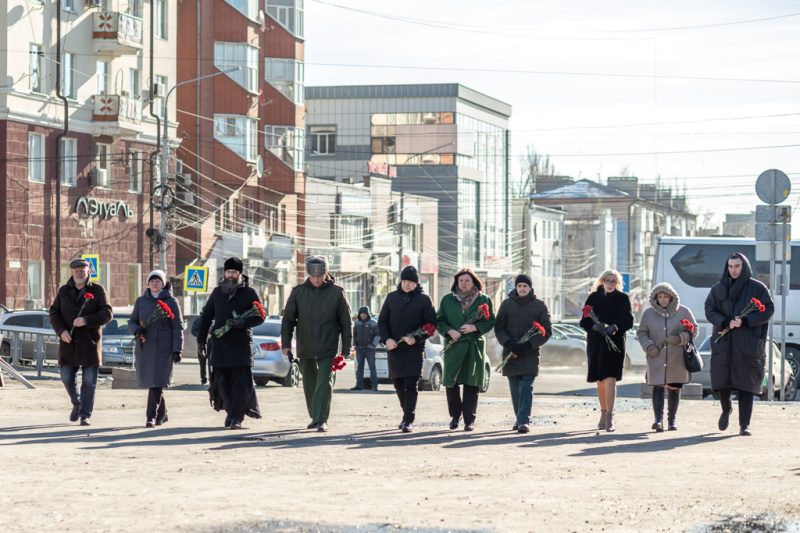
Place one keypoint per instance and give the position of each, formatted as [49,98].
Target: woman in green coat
[464,360]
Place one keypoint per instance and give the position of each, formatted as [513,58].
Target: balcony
[117,115]
[116,33]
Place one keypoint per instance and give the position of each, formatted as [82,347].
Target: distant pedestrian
[738,340]
[663,337]
[158,343]
[465,346]
[77,315]
[318,313]
[232,387]
[204,360]
[403,315]
[515,318]
[605,340]
[366,338]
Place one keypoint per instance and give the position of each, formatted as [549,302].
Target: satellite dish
[259,166]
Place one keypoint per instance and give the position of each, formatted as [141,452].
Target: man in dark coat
[365,339]
[318,312]
[232,386]
[404,312]
[514,318]
[738,356]
[77,315]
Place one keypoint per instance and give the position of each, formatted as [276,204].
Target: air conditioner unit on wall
[158,91]
[92,3]
[98,176]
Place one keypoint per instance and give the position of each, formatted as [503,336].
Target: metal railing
[29,350]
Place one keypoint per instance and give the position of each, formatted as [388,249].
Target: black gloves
[610,330]
[139,332]
[237,323]
[201,349]
[521,347]
[510,343]
[176,357]
[598,327]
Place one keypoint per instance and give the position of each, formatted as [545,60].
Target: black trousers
[237,392]
[406,389]
[205,368]
[745,404]
[468,406]
[156,405]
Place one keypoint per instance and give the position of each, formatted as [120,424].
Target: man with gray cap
[77,315]
[318,310]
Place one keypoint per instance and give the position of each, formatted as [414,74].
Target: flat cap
[79,263]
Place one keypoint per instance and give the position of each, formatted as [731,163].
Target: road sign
[769,194]
[773,232]
[94,263]
[763,249]
[773,213]
[626,282]
[195,279]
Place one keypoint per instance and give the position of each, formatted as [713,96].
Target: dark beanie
[524,278]
[409,273]
[234,263]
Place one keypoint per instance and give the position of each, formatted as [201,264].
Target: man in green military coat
[317,310]
[461,322]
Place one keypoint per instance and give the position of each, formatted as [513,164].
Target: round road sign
[773,194]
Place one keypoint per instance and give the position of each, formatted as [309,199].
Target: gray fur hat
[316,265]
[672,308]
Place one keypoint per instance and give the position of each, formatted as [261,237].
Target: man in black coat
[404,312]
[232,386]
[365,338]
[738,356]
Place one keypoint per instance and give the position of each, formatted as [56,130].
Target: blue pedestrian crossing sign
[195,279]
[94,261]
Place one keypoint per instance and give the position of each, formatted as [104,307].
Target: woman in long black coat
[612,308]
[405,311]
[158,346]
[738,358]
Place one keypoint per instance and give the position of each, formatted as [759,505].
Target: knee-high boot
[673,399]
[658,408]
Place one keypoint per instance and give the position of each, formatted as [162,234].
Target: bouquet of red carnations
[537,329]
[481,313]
[686,325]
[588,311]
[430,329]
[162,310]
[86,297]
[255,310]
[754,305]
[338,363]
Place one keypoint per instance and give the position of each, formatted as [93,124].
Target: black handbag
[692,359]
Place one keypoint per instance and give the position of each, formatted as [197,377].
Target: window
[103,164]
[155,103]
[101,73]
[35,69]
[34,280]
[322,140]
[135,83]
[69,162]
[134,281]
[248,8]
[288,13]
[134,171]
[348,231]
[134,8]
[288,76]
[283,219]
[161,19]
[239,133]
[103,275]
[36,157]
[228,55]
[287,143]
[68,75]
[69,5]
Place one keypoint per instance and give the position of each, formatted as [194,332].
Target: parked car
[28,324]
[571,330]
[634,354]
[117,342]
[704,377]
[563,349]
[269,363]
[189,340]
[432,367]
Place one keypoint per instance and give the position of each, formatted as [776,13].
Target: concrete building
[243,154]
[110,51]
[742,225]
[443,141]
[612,226]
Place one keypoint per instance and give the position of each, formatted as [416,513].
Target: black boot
[673,399]
[658,408]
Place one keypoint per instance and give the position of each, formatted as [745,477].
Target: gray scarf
[465,298]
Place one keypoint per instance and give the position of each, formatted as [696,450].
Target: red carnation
[484,308]
[430,329]
[587,310]
[260,309]
[89,296]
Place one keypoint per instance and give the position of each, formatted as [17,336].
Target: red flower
[540,328]
[484,309]
[430,329]
[338,363]
[260,309]
[89,296]
[587,310]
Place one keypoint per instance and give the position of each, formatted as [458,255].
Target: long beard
[228,287]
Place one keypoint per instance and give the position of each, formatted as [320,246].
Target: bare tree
[534,166]
[625,172]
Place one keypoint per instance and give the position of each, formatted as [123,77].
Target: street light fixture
[165,158]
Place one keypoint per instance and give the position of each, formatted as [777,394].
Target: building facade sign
[93,207]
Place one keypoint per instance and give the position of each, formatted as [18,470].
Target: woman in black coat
[405,311]
[514,318]
[738,358]
[612,308]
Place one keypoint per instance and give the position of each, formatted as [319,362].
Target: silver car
[117,343]
[269,363]
[563,348]
[704,377]
[28,326]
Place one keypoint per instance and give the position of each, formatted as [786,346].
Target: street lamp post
[164,159]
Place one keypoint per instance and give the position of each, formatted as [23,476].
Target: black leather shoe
[85,422]
[203,382]
[454,423]
[724,419]
[227,421]
[357,388]
[236,425]
[402,425]
[658,426]
[744,431]
[469,427]
[73,416]
[524,428]
[151,423]
[322,427]
[407,428]
[312,425]
[671,425]
[162,419]
[515,428]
